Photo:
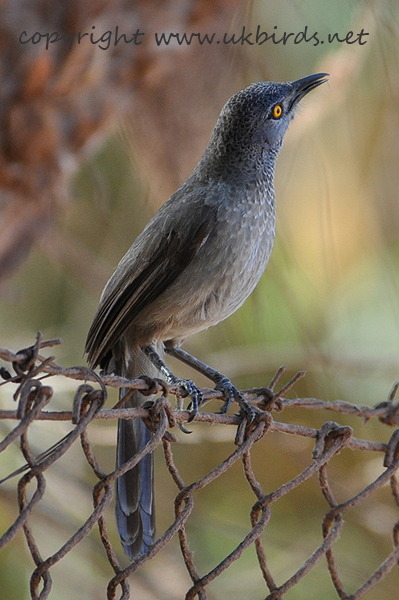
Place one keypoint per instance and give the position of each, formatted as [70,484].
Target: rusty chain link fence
[26,374]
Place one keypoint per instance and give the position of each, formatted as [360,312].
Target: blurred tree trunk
[58,102]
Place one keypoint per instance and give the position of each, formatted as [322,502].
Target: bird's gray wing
[145,279]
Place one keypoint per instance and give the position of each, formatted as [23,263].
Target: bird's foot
[189,389]
[231,393]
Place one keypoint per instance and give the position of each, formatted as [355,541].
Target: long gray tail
[135,512]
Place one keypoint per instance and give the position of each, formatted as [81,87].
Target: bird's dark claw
[190,389]
[231,393]
[226,387]
[195,394]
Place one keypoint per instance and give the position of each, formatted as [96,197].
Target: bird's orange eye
[277,111]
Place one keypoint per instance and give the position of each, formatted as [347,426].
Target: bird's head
[255,120]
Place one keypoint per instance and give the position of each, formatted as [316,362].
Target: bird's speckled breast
[229,267]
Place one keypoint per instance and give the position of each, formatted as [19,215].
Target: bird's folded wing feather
[143,282]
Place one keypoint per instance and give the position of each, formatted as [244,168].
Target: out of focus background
[92,142]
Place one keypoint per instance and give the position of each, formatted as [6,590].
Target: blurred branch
[61,101]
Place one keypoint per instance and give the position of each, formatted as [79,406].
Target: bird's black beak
[303,86]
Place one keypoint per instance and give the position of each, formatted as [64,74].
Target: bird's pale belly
[222,291]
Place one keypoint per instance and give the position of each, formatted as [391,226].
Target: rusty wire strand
[31,368]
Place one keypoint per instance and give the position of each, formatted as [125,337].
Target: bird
[192,266]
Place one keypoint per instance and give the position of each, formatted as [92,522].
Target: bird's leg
[187,385]
[222,383]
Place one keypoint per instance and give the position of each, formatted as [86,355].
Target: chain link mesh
[34,397]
